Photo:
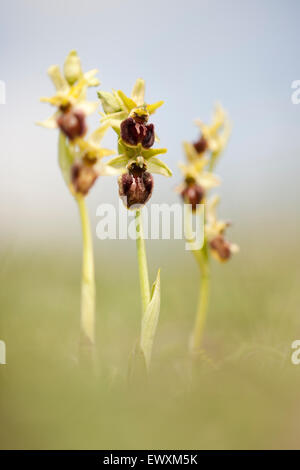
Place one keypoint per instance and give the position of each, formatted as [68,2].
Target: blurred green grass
[244,396]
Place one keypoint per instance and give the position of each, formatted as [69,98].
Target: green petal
[152,152]
[150,320]
[153,107]
[65,157]
[154,165]
[109,103]
[128,102]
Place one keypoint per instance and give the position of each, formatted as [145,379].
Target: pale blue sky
[241,52]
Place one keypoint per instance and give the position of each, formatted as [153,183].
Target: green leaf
[152,152]
[65,157]
[154,165]
[109,102]
[137,369]
[150,320]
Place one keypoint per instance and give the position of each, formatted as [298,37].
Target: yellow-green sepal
[152,152]
[151,108]
[190,151]
[118,163]
[138,92]
[131,152]
[109,102]
[154,165]
[128,102]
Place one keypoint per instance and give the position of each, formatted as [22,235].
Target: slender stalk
[204,290]
[201,313]
[142,261]
[202,259]
[87,320]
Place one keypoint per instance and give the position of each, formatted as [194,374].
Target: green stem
[87,320]
[204,288]
[142,262]
[202,258]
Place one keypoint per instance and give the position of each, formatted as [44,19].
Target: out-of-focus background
[191,54]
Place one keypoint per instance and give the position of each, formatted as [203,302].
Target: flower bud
[83,176]
[72,68]
[201,145]
[193,194]
[136,186]
[135,132]
[221,248]
[72,123]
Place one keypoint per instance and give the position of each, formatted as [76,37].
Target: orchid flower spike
[137,160]
[79,155]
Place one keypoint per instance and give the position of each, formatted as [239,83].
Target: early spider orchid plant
[136,162]
[202,157]
[80,162]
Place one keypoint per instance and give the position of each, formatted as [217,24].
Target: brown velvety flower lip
[193,194]
[83,176]
[136,186]
[72,123]
[221,246]
[134,132]
[201,145]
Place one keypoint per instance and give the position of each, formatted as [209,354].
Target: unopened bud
[136,186]
[72,68]
[72,123]
[83,177]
